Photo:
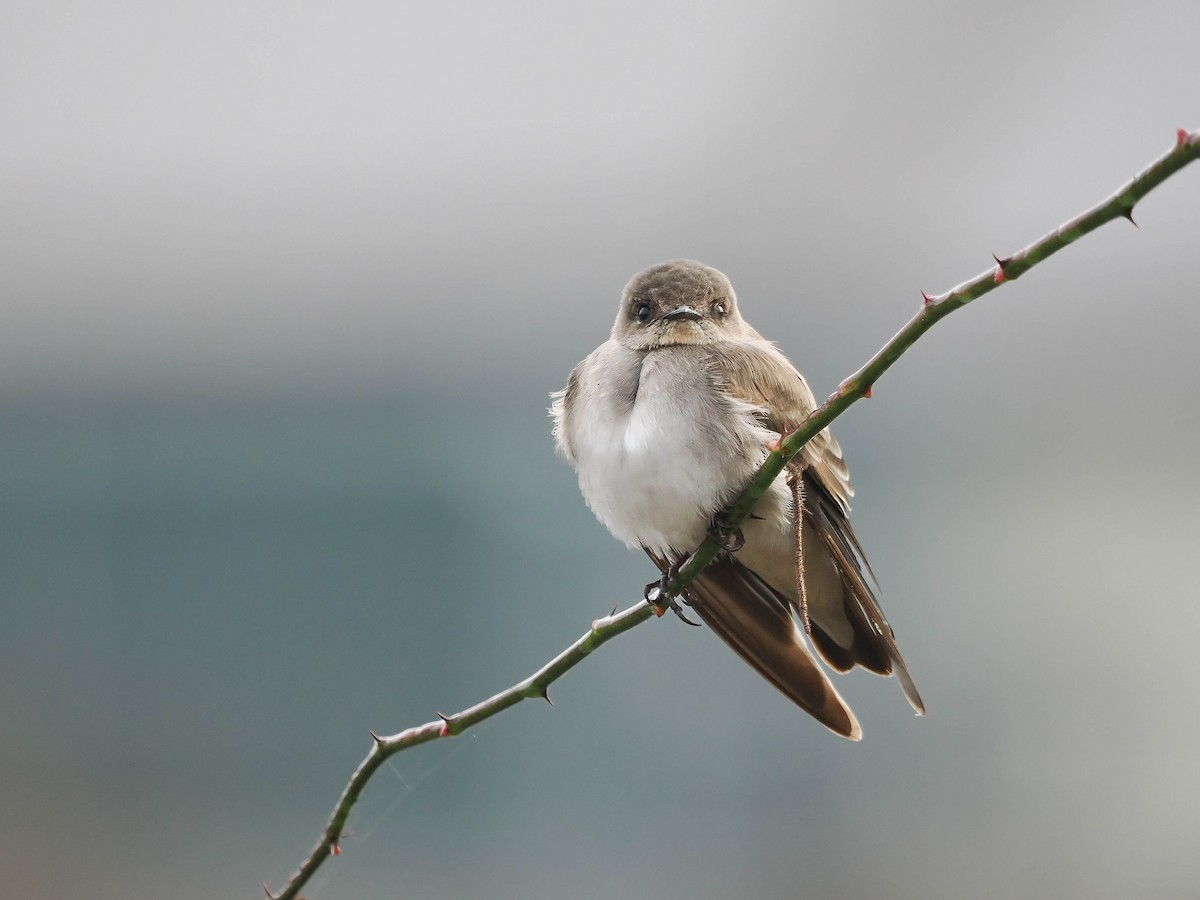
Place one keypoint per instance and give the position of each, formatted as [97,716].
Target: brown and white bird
[665,422]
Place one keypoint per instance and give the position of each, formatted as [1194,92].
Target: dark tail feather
[874,645]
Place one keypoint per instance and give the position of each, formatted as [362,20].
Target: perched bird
[665,422]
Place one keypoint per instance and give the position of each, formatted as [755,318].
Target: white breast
[656,470]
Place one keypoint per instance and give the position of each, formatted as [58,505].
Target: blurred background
[285,287]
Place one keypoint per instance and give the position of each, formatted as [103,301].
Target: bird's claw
[729,537]
[656,591]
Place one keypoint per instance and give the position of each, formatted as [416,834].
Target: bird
[665,423]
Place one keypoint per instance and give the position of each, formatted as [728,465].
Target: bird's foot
[728,536]
[657,595]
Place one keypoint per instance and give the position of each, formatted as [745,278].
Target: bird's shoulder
[756,372]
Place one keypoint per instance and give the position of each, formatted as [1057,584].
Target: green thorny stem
[857,386]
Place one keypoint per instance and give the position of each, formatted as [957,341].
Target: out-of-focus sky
[284,287]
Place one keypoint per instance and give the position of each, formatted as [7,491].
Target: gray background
[284,288]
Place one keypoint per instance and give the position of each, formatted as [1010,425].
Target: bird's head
[677,302]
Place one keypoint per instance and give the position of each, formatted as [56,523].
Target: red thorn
[445,724]
[867,391]
[335,849]
[926,299]
[1129,215]
[1181,137]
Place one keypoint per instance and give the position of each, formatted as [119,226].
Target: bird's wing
[756,372]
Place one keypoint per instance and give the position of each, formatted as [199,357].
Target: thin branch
[857,386]
[536,685]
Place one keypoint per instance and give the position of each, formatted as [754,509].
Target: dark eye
[643,313]
[719,308]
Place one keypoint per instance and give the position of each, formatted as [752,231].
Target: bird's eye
[643,313]
[719,308]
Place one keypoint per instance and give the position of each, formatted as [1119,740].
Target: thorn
[546,695]
[335,850]
[1181,137]
[267,891]
[611,614]
[445,724]
[785,430]
[376,738]
[867,391]
[926,299]
[1001,275]
[1128,213]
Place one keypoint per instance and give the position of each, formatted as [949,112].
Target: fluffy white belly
[648,482]
[655,471]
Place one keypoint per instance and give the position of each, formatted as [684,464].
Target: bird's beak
[682,312]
